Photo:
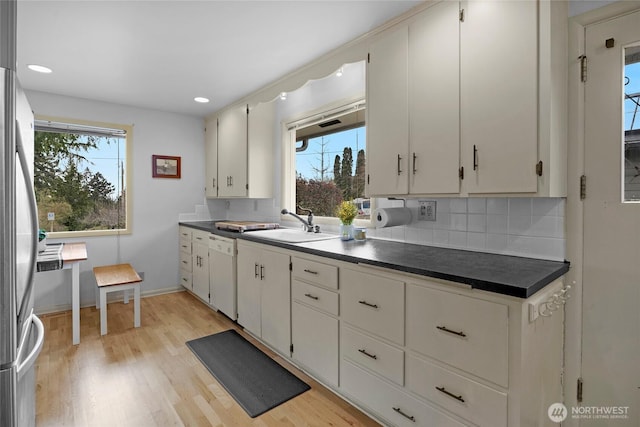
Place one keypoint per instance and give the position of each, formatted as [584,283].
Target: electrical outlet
[426,210]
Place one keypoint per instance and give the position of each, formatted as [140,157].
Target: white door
[248,264]
[611,272]
[276,300]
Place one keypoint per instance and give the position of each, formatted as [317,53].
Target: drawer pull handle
[311,296]
[366,353]
[255,270]
[368,304]
[409,417]
[184,279]
[310,271]
[445,329]
[448,393]
[184,262]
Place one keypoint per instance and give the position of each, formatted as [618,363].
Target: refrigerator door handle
[33,208]
[25,365]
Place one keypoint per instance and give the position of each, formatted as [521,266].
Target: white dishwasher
[222,274]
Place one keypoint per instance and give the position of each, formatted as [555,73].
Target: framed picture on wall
[165,166]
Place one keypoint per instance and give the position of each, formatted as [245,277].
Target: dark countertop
[503,274]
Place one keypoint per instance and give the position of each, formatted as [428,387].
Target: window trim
[128,178]
[289,126]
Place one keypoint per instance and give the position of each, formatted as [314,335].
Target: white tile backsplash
[530,227]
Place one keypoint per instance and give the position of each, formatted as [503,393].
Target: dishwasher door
[222,275]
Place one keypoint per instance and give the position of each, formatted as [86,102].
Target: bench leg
[126,296]
[136,306]
[103,311]
[97,298]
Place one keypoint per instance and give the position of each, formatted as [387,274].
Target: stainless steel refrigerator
[21,332]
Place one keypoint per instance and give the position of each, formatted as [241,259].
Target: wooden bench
[112,278]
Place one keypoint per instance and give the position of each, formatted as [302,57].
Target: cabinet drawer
[315,272]
[382,358]
[185,245]
[464,332]
[185,232]
[185,261]
[476,402]
[315,342]
[200,236]
[186,279]
[373,303]
[315,296]
[389,402]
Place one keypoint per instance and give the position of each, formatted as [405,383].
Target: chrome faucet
[308,224]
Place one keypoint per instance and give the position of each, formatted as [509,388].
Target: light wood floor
[147,376]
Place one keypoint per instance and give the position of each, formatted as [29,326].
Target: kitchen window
[82,177]
[328,159]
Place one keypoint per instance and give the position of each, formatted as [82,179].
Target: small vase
[346,231]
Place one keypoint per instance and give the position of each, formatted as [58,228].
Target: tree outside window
[80,178]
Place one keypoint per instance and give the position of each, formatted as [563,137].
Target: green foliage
[347,212]
[358,178]
[321,197]
[346,172]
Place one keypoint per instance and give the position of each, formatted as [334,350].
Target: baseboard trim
[114,297]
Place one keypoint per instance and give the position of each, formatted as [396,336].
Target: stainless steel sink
[291,235]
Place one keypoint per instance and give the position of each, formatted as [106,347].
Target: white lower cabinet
[200,264]
[185,257]
[392,404]
[464,332]
[264,294]
[470,399]
[315,342]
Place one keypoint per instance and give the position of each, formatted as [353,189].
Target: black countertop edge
[475,283]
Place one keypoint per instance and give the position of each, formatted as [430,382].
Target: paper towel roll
[390,217]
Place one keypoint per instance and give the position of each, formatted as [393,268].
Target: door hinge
[461,172]
[368,58]
[461,15]
[583,187]
[539,168]
[291,348]
[579,391]
[290,266]
[247,109]
[209,296]
[367,179]
[583,68]
[247,186]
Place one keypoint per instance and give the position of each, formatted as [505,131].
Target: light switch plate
[426,210]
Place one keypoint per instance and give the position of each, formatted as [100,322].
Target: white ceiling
[162,54]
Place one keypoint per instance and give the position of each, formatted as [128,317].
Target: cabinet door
[276,300]
[499,96]
[434,112]
[248,265]
[232,152]
[200,265]
[315,342]
[211,158]
[387,114]
[261,146]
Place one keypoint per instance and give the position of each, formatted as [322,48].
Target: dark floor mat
[254,380]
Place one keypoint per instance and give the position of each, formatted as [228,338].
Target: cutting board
[242,226]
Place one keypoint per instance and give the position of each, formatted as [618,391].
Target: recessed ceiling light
[283,95]
[201,100]
[39,68]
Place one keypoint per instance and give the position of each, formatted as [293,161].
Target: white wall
[152,247]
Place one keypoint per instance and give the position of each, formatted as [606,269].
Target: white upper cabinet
[232,152]
[499,96]
[469,98]
[434,118]
[211,158]
[244,155]
[387,114]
